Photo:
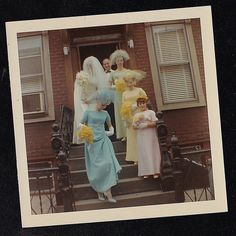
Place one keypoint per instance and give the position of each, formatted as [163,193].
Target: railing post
[63,185]
[166,165]
[178,171]
[65,182]
[56,140]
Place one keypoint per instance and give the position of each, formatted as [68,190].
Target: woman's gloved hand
[110,132]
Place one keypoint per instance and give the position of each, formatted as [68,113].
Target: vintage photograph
[116,114]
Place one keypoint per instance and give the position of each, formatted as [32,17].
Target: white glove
[133,107]
[113,86]
[110,132]
[143,126]
[80,125]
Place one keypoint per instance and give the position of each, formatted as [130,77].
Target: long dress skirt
[148,148]
[101,164]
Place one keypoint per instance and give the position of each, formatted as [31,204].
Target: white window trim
[200,101]
[50,111]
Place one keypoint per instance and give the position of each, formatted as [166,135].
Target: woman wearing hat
[101,164]
[128,110]
[118,58]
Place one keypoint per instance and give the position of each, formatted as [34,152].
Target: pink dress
[149,154]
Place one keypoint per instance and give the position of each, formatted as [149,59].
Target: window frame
[197,84]
[49,113]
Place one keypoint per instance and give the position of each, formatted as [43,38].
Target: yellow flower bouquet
[120,85]
[126,111]
[86,133]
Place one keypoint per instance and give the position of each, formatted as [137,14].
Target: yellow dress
[131,145]
[120,129]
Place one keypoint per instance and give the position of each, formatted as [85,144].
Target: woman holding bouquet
[101,164]
[128,110]
[88,81]
[149,154]
[118,58]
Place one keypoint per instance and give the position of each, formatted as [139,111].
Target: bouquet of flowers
[120,85]
[126,111]
[86,133]
[83,83]
[138,119]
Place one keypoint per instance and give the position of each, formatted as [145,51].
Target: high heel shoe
[101,197]
[109,197]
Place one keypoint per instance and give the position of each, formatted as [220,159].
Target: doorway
[101,51]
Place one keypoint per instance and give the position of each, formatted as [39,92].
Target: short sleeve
[108,118]
[85,118]
[153,116]
[142,92]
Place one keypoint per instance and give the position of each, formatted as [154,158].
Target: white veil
[97,81]
[97,76]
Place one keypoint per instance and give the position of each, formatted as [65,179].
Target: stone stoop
[131,190]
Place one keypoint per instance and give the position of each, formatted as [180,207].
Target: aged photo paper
[173,50]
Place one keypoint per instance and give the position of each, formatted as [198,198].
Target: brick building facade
[189,123]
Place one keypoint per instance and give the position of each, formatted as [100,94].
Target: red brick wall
[190,125]
[142,61]
[38,135]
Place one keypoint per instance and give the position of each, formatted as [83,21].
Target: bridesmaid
[130,96]
[149,154]
[101,164]
[118,58]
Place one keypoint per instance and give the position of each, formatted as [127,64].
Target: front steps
[131,190]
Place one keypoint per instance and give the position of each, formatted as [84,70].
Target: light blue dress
[101,164]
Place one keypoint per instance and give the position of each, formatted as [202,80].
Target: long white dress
[149,154]
[88,82]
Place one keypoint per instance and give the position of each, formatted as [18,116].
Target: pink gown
[149,154]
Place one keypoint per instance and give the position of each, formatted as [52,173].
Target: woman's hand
[143,126]
[110,132]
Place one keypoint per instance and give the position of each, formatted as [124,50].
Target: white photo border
[141,212]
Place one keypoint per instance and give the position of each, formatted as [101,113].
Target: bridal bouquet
[83,83]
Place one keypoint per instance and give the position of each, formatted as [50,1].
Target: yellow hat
[136,75]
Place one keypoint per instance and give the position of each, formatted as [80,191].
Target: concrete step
[79,162]
[128,171]
[127,200]
[124,186]
[78,150]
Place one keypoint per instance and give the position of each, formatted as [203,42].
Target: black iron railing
[186,170]
[52,186]
[192,172]
[42,190]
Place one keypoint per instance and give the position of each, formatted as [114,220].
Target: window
[174,66]
[35,77]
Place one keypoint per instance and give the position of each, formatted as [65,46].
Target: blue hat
[105,96]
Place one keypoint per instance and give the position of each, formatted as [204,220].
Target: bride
[88,82]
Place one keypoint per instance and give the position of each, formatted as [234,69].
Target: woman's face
[130,83]
[142,106]
[120,61]
[101,106]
